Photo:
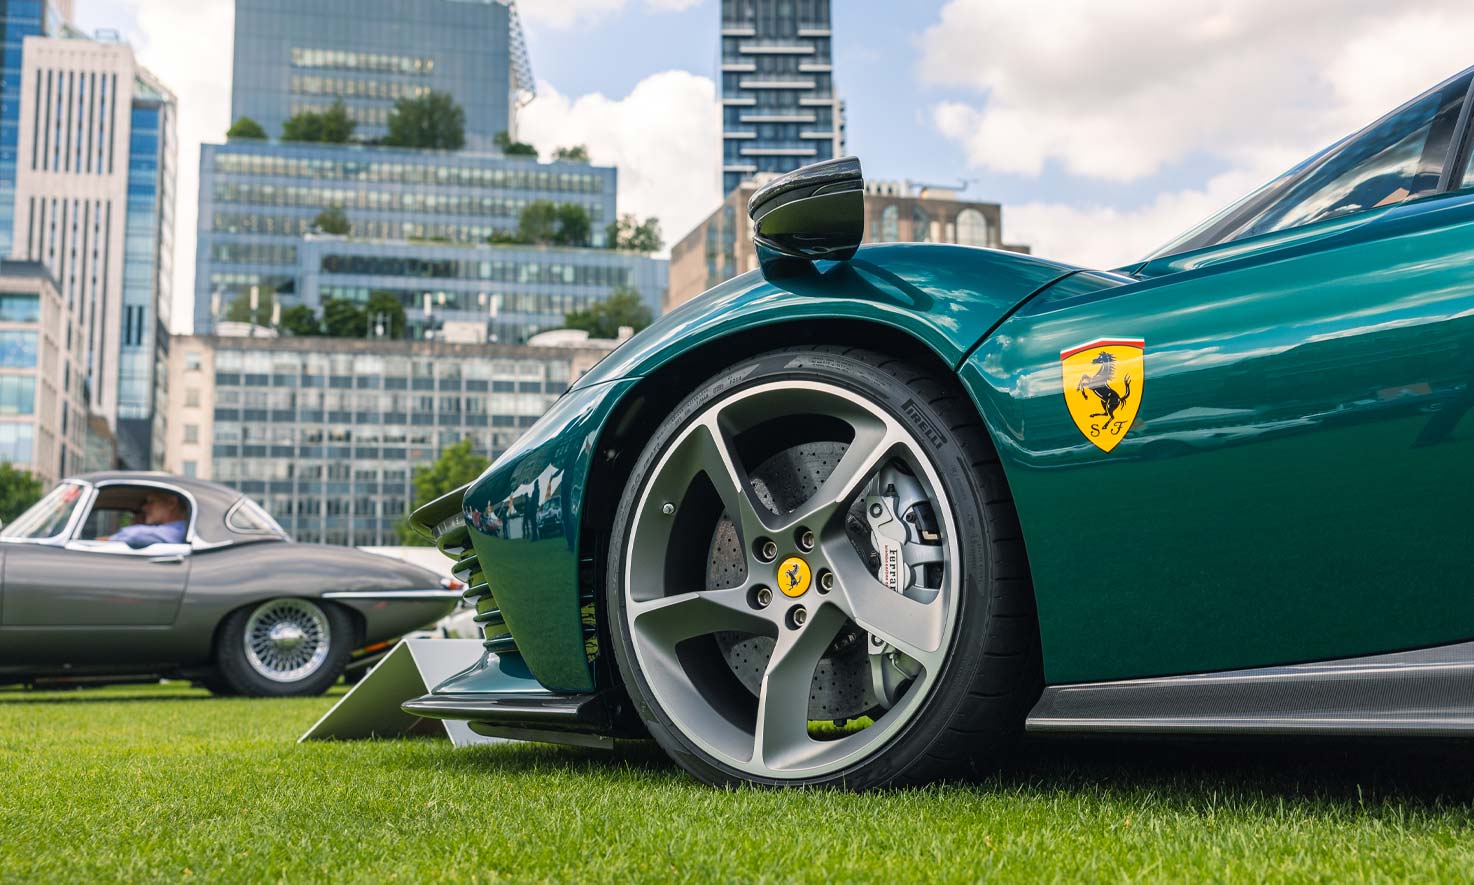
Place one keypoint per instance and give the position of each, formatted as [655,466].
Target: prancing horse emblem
[1102,374]
[793,577]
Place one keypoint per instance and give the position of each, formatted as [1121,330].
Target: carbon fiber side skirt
[1428,693]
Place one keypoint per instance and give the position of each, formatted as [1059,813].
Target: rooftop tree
[603,319]
[632,235]
[514,148]
[245,127]
[332,125]
[432,120]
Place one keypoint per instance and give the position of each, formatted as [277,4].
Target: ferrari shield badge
[1103,384]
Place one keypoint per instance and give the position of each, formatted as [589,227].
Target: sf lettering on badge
[1103,383]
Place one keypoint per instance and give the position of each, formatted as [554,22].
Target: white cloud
[1116,91]
[663,136]
[1099,236]
[566,13]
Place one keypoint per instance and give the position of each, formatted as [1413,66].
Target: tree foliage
[299,320]
[342,318]
[19,489]
[514,148]
[575,227]
[333,220]
[432,120]
[245,127]
[602,319]
[457,465]
[538,222]
[333,125]
[544,223]
[576,154]
[239,310]
[386,308]
[633,235]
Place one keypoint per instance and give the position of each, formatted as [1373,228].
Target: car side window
[137,515]
[1399,157]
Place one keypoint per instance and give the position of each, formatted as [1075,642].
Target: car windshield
[1397,158]
[48,517]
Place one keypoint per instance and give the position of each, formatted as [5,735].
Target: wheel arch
[624,436]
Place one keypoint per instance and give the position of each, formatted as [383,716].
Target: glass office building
[43,416]
[302,55]
[19,19]
[780,110]
[503,294]
[148,276]
[326,433]
[258,202]
[94,202]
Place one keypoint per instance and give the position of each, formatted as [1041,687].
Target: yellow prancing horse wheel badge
[793,577]
[1103,384]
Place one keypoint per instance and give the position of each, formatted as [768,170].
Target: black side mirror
[813,213]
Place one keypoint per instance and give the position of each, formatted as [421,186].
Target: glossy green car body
[1294,486]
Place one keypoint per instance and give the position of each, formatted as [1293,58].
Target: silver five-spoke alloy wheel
[287,640]
[791,579]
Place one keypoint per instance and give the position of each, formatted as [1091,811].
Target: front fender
[946,297]
[228,578]
[524,514]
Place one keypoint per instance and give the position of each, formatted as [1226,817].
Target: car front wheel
[817,577]
[283,647]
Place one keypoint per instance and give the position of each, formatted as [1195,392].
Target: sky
[1103,129]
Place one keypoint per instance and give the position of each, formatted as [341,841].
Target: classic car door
[94,584]
[1294,485]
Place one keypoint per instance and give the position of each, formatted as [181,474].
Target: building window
[192,397]
[192,361]
[17,395]
[920,225]
[972,228]
[20,308]
[890,225]
[192,433]
[18,349]
[191,468]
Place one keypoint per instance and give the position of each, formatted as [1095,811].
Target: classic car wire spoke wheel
[791,580]
[287,639]
[283,646]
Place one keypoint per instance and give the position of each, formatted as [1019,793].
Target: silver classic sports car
[118,574]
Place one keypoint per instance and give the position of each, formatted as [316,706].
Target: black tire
[234,669]
[975,710]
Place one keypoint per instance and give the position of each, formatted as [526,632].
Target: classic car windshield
[49,516]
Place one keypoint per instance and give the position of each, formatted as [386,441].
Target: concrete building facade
[94,202]
[43,414]
[720,247]
[327,433]
[780,109]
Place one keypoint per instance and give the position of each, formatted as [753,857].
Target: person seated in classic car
[163,519]
[126,575]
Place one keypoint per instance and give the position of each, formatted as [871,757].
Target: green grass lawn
[164,782]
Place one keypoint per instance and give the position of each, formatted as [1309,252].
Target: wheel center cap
[793,577]
[287,636]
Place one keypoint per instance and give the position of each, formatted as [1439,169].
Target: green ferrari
[867,515]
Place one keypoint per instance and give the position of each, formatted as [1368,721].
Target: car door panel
[1295,485]
[58,586]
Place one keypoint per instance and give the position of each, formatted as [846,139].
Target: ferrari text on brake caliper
[905,541]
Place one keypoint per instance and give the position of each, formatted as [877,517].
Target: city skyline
[936,90]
